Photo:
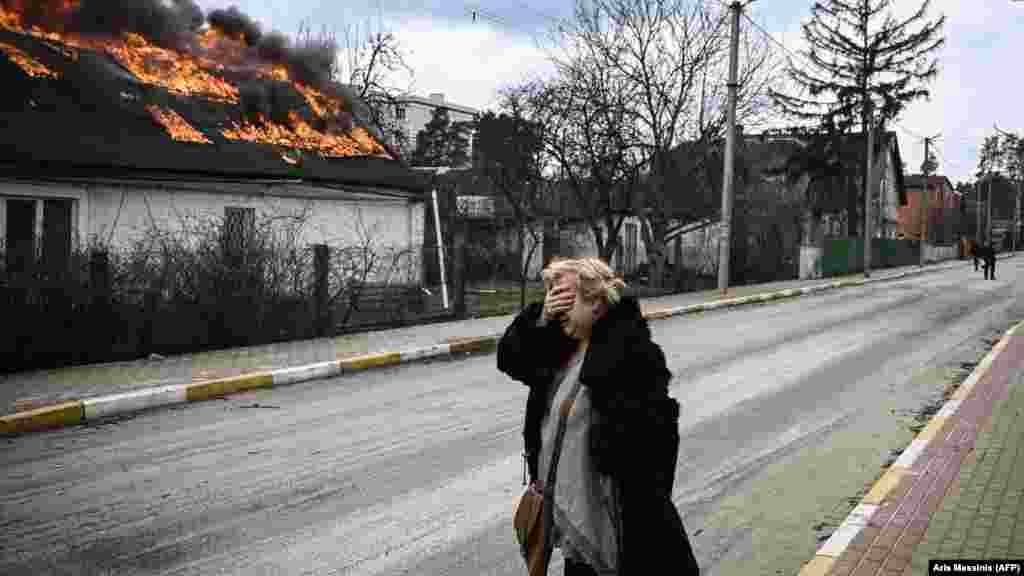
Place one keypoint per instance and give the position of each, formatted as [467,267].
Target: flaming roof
[26,62]
[213,96]
[176,126]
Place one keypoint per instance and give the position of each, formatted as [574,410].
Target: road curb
[80,411]
[829,552]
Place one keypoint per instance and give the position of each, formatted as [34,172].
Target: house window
[400,112]
[239,224]
[35,227]
[20,235]
[57,235]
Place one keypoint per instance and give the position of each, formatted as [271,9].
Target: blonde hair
[594,278]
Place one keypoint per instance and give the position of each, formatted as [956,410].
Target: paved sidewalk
[26,391]
[959,496]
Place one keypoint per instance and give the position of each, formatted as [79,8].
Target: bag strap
[549,486]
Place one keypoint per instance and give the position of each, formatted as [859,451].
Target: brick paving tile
[888,538]
[867,569]
[876,554]
[896,563]
[853,556]
[905,549]
[881,516]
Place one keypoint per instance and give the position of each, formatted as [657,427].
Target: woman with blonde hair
[588,347]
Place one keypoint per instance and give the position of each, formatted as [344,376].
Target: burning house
[120,114]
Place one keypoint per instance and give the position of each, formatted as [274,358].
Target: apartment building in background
[412,113]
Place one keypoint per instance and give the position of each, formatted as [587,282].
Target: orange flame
[179,73]
[323,106]
[190,74]
[173,71]
[176,126]
[302,135]
[30,65]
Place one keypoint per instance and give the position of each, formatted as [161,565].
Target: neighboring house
[943,206]
[91,153]
[493,223]
[777,171]
[412,113]
[828,179]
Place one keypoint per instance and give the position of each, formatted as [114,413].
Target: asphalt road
[789,410]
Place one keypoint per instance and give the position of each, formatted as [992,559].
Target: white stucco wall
[121,214]
[580,241]
[939,253]
[700,249]
[810,262]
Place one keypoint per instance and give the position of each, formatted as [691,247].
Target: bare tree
[373,65]
[669,60]
[587,144]
[508,154]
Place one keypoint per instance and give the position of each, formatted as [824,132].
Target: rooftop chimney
[437,97]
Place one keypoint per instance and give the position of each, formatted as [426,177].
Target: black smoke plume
[310,61]
[169,26]
[233,23]
[174,25]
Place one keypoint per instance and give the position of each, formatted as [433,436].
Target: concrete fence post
[321,312]
[151,307]
[100,304]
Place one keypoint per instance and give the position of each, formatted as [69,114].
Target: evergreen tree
[442,143]
[859,53]
[860,57]
[930,164]
[990,158]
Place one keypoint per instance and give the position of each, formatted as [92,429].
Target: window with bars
[239,225]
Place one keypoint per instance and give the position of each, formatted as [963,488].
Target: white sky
[979,85]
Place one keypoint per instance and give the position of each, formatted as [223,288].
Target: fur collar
[617,338]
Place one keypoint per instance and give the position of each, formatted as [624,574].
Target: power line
[803,88]
[909,132]
[773,39]
[543,15]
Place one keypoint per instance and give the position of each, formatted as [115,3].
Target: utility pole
[867,191]
[730,155]
[1020,184]
[977,213]
[988,213]
[924,197]
[1020,180]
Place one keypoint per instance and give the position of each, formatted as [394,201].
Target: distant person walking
[587,355]
[988,254]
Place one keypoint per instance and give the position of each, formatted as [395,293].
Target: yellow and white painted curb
[858,519]
[782,294]
[90,409]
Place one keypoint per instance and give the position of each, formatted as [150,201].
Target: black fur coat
[635,434]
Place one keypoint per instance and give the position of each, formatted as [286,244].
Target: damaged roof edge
[99,173]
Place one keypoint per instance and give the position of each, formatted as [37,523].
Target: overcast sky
[982,64]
